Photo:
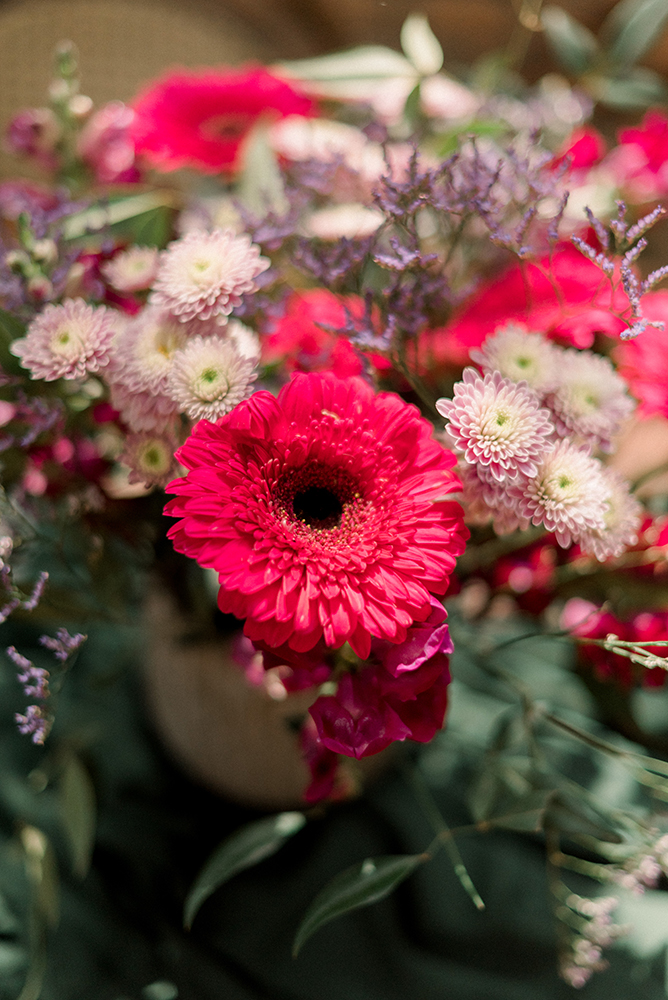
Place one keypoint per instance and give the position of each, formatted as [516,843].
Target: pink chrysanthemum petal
[132,270]
[497,423]
[520,355]
[319,511]
[203,276]
[209,377]
[67,341]
[568,495]
[622,520]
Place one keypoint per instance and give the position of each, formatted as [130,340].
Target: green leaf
[11,329]
[261,185]
[245,848]
[631,28]
[574,45]
[120,213]
[421,45]
[639,88]
[77,812]
[367,62]
[361,885]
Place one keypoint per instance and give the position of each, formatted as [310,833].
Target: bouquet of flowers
[386,341]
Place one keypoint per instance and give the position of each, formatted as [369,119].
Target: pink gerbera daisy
[320,511]
[204,275]
[67,341]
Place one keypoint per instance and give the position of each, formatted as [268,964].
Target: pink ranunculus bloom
[300,342]
[640,162]
[321,511]
[372,709]
[200,120]
[107,147]
[643,362]
[567,297]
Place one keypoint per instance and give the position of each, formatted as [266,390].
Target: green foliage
[574,45]
[245,848]
[77,811]
[358,886]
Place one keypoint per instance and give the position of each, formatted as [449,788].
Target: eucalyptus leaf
[245,848]
[574,45]
[367,62]
[639,88]
[361,885]
[77,812]
[420,45]
[631,28]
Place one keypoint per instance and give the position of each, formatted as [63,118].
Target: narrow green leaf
[245,848]
[361,885]
[631,28]
[77,812]
[574,45]
[638,88]
[99,217]
[367,62]
[421,45]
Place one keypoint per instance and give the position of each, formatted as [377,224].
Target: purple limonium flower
[64,644]
[35,680]
[35,597]
[35,723]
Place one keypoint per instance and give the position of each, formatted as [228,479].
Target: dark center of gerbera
[230,127]
[318,507]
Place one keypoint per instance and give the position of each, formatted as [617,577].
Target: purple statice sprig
[629,243]
[38,718]
[16,600]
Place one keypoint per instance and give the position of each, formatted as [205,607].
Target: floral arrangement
[397,355]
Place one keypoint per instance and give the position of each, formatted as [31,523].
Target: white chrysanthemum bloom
[520,355]
[622,520]
[209,377]
[590,402]
[67,341]
[203,276]
[132,270]
[568,495]
[484,501]
[144,350]
[150,458]
[498,424]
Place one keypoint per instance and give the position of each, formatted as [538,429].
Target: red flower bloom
[640,162]
[200,120]
[568,298]
[584,148]
[298,341]
[643,362]
[320,511]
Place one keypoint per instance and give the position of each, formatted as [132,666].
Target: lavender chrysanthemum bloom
[520,355]
[150,458]
[133,269]
[64,644]
[498,424]
[590,402]
[205,275]
[67,341]
[209,377]
[568,495]
[35,723]
[622,519]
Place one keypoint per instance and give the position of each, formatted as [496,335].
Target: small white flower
[498,424]
[209,377]
[520,355]
[132,270]
[590,402]
[203,276]
[622,519]
[150,458]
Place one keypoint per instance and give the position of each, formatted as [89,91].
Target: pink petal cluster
[498,424]
[203,276]
[67,341]
[321,511]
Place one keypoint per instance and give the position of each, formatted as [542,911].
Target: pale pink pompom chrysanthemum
[568,495]
[209,377]
[203,276]
[150,458]
[520,355]
[497,424]
[132,270]
[622,520]
[67,341]
[486,501]
[590,402]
